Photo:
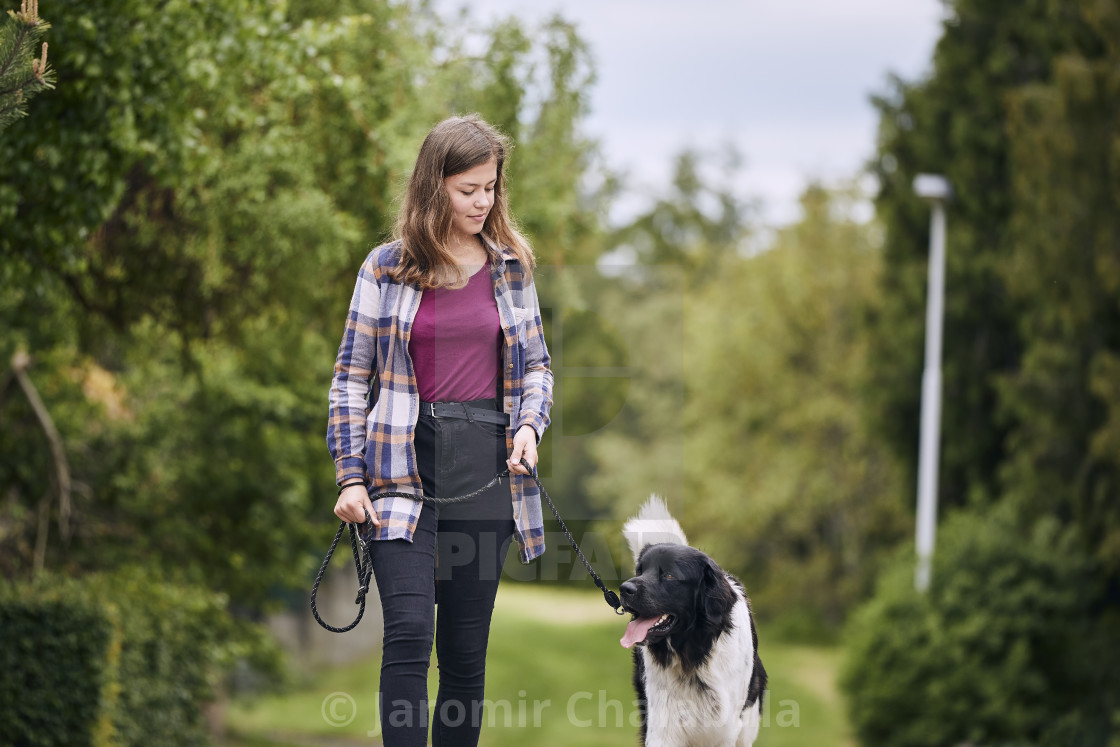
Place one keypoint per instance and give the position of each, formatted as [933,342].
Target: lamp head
[933,187]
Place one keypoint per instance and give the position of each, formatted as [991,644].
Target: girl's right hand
[352,504]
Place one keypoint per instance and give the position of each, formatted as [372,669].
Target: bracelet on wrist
[345,485]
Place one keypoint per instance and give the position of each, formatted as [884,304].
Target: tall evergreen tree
[956,123]
[1062,401]
[1020,112]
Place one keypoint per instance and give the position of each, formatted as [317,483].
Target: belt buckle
[432,409]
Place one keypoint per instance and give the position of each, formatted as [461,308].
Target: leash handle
[365,572]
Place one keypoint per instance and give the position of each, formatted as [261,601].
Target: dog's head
[677,593]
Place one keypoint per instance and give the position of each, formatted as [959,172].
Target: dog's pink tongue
[636,631]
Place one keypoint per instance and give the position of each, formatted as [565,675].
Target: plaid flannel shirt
[373,417]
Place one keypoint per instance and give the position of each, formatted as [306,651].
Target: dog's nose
[628,589]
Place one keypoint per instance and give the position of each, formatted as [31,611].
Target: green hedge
[119,659]
[1008,647]
[57,676]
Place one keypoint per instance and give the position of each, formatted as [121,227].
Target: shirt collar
[504,253]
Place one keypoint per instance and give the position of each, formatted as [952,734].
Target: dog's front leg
[751,721]
[663,724]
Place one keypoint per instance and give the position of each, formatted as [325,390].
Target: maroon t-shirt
[456,342]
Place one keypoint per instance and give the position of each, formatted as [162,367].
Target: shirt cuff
[348,468]
[533,420]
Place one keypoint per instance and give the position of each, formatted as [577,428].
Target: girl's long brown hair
[424,224]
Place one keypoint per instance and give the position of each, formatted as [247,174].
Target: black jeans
[455,559]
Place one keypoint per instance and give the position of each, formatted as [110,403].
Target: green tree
[797,491]
[756,427]
[1063,272]
[187,221]
[1020,113]
[23,69]
[156,218]
[955,123]
[699,223]
[658,285]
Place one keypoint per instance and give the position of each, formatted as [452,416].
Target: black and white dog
[700,682]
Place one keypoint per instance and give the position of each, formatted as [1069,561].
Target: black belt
[463,411]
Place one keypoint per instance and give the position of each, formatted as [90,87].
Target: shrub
[1003,649]
[119,659]
[57,676]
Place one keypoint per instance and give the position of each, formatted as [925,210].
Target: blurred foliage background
[182,217]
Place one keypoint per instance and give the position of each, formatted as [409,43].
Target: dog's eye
[667,576]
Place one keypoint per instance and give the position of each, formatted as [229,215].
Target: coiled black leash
[363,562]
[363,559]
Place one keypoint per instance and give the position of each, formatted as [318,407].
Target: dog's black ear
[714,597]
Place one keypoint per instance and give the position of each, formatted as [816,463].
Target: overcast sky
[788,81]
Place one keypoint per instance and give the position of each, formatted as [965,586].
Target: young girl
[442,381]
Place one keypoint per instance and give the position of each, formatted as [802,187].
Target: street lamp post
[937,191]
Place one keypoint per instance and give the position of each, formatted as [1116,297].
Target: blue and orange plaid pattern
[374,399]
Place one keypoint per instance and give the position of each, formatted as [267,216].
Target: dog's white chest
[704,708]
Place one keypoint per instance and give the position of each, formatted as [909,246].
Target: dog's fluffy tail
[653,525]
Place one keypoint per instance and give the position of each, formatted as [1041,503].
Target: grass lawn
[556,676]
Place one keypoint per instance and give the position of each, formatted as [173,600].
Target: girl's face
[472,196]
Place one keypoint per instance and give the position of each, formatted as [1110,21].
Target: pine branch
[31,84]
[17,44]
[10,110]
[22,74]
[29,12]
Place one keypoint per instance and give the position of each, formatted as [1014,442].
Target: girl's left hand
[524,447]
